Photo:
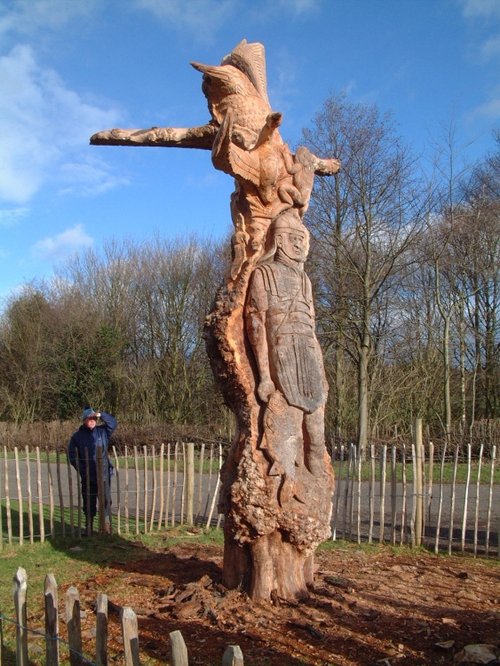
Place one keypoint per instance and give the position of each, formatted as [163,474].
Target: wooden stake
[478,487]
[174,488]
[383,472]
[358,498]
[79,500]
[338,492]
[418,483]
[452,503]
[69,472]
[130,635]
[404,501]
[178,650]
[466,497]
[183,489]
[101,491]
[20,591]
[51,621]
[73,623]
[200,481]
[490,504]
[233,656]
[28,487]
[167,499]
[189,476]
[7,495]
[146,488]
[101,626]
[155,488]
[371,499]
[126,507]
[137,489]
[440,502]
[118,492]
[19,498]
[162,461]
[51,496]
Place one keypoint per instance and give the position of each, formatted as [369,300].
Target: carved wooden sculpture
[277,480]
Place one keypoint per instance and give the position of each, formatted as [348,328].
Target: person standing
[83,449]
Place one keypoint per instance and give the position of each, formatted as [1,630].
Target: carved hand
[266,389]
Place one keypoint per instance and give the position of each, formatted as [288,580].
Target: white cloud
[44,127]
[486,12]
[491,46]
[26,17]
[64,244]
[91,176]
[490,109]
[300,6]
[202,18]
[480,8]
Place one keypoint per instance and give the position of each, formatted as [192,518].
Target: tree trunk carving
[277,479]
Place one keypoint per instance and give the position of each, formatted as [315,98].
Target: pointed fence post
[20,590]
[189,483]
[101,635]
[73,623]
[418,483]
[233,656]
[60,493]
[130,636]
[101,490]
[51,621]
[383,474]
[41,519]
[178,649]
[19,497]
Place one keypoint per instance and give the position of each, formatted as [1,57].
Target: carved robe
[284,293]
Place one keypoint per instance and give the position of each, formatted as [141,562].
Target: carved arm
[201,137]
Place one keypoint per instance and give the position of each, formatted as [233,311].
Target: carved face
[257,241]
[294,244]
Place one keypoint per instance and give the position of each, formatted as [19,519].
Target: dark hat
[87,412]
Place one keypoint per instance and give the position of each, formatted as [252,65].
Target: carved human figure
[281,329]
[239,242]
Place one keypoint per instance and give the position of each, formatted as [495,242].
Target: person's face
[90,423]
[294,245]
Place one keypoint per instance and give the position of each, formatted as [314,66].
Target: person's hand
[266,389]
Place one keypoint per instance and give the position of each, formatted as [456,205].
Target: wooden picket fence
[392,497]
[152,488]
[67,647]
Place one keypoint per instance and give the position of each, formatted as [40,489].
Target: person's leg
[90,502]
[86,503]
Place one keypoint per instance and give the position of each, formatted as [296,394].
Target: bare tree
[363,225]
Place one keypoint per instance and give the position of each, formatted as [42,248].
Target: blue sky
[69,68]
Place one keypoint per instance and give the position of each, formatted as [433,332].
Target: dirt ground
[367,607]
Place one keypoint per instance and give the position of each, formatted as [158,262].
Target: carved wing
[250,58]
[244,164]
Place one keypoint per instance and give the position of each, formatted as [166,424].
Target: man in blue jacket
[83,450]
